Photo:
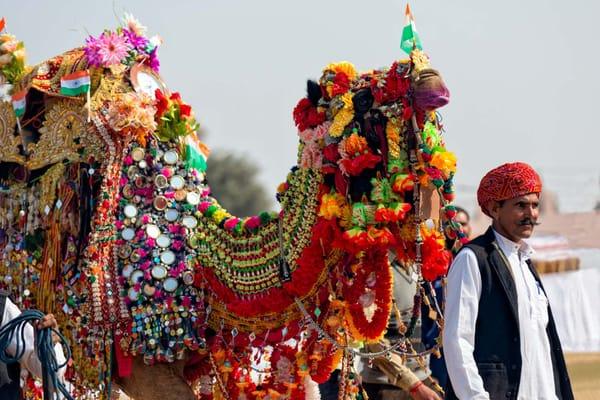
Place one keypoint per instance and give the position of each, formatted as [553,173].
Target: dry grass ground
[584,370]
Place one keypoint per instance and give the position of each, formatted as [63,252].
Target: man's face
[463,220]
[515,218]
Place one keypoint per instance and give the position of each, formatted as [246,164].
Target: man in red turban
[500,340]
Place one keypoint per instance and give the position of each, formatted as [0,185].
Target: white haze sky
[523,75]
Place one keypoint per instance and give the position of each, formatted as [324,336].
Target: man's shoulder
[481,243]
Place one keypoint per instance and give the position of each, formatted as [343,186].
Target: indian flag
[75,84]
[19,102]
[196,153]
[410,38]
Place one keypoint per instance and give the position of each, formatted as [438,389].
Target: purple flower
[137,42]
[154,63]
[91,51]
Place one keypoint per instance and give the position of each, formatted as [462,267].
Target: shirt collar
[509,247]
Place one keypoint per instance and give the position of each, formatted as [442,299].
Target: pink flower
[202,207]
[128,160]
[231,223]
[145,265]
[321,130]
[150,242]
[177,245]
[167,172]
[119,224]
[253,222]
[170,195]
[112,48]
[186,301]
[312,156]
[145,219]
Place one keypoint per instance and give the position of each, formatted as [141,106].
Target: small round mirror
[189,221]
[193,198]
[177,182]
[159,272]
[188,278]
[152,231]
[160,203]
[149,290]
[161,181]
[163,241]
[170,285]
[138,154]
[136,276]
[127,270]
[132,294]
[171,215]
[167,257]
[130,211]
[128,234]
[127,191]
[171,157]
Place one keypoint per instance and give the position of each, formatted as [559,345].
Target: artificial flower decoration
[127,45]
[133,114]
[12,57]
[306,115]
[343,117]
[436,259]
[356,155]
[174,117]
[332,206]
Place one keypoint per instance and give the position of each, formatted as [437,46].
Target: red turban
[507,182]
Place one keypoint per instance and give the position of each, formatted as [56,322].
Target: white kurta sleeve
[460,315]
[29,360]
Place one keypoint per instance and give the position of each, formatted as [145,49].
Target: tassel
[284,270]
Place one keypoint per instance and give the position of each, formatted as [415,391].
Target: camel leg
[157,382]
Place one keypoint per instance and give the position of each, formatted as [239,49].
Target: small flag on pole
[75,84]
[410,38]
[19,102]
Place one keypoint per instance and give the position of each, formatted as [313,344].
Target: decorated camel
[106,219]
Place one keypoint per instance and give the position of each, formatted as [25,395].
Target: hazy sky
[523,75]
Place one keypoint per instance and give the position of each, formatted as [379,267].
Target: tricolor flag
[410,38]
[196,153]
[75,84]
[19,102]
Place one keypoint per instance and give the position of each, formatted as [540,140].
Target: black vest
[497,341]
[10,375]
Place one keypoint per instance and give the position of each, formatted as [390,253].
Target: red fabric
[124,361]
[507,182]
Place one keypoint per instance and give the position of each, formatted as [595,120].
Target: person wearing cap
[499,338]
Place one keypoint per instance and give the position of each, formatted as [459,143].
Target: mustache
[528,221]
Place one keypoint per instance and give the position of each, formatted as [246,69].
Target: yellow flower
[392,131]
[331,206]
[343,117]
[343,66]
[445,162]
[219,216]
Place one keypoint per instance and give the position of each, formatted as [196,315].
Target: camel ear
[313,92]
